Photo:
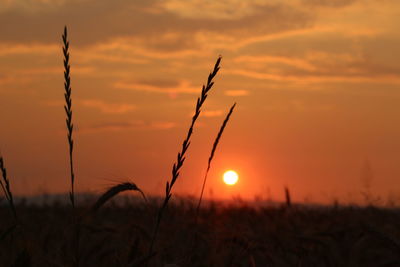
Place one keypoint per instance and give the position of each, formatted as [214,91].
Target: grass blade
[181,155]
[68,111]
[221,130]
[113,191]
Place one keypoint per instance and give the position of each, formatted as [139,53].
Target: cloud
[236,92]
[317,66]
[272,38]
[26,75]
[291,61]
[217,10]
[297,105]
[328,3]
[109,108]
[20,49]
[168,29]
[162,125]
[106,108]
[166,26]
[127,125]
[111,126]
[172,88]
[168,45]
[211,113]
[315,78]
[30,6]
[162,29]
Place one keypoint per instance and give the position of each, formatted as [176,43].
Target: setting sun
[230,177]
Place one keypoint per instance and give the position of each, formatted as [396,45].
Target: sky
[316,82]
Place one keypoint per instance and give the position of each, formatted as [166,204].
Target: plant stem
[181,155]
[68,111]
[221,130]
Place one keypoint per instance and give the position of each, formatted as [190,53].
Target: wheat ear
[181,155]
[221,130]
[115,190]
[68,111]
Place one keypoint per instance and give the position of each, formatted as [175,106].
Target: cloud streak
[310,78]
[236,92]
[127,125]
[173,89]
[108,108]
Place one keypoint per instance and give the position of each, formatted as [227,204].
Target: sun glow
[230,177]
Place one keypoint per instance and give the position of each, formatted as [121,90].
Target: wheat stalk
[115,190]
[221,130]
[5,185]
[68,111]
[70,127]
[181,155]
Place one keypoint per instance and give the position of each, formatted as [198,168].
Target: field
[117,230]
[235,234]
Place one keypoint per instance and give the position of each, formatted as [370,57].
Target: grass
[68,111]
[221,130]
[230,235]
[181,155]
[113,191]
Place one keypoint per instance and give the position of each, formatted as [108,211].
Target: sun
[230,177]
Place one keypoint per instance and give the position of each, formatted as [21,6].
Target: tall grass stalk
[70,127]
[5,185]
[68,111]
[115,190]
[181,155]
[221,130]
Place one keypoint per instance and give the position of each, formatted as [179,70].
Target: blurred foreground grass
[224,235]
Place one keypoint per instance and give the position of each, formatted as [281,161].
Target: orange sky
[316,82]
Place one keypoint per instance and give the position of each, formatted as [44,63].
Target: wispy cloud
[315,78]
[217,10]
[13,48]
[109,108]
[102,106]
[236,92]
[127,125]
[162,125]
[172,88]
[30,6]
[297,105]
[316,66]
[211,113]
[111,126]
[291,61]
[328,3]
[181,17]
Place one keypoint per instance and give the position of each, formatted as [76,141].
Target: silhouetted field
[182,232]
[223,235]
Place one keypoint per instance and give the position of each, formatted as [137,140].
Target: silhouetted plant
[181,155]
[221,130]
[68,111]
[115,190]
